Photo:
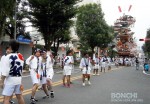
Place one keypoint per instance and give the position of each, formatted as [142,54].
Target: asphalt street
[123,85]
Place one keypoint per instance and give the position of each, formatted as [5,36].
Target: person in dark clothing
[137,63]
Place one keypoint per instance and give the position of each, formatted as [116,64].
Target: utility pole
[15,17]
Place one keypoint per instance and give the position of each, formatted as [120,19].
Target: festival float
[125,43]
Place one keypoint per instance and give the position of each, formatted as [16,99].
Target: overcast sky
[140,10]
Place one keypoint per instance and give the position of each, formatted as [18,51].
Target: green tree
[62,36]
[91,26]
[52,18]
[19,10]
[7,17]
[6,11]
[146,46]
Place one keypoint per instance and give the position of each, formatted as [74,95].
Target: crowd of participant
[11,67]
[41,70]
[127,61]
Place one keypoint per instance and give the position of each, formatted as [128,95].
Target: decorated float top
[125,44]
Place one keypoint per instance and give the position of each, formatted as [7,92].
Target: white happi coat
[47,68]
[85,65]
[67,66]
[34,67]
[2,62]
[12,68]
[97,63]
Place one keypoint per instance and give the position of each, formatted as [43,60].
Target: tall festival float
[125,43]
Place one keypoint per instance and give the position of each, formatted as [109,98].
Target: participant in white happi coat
[117,62]
[68,62]
[8,51]
[130,61]
[72,58]
[121,61]
[12,74]
[62,61]
[96,65]
[109,63]
[47,73]
[34,62]
[126,61]
[104,62]
[2,63]
[85,65]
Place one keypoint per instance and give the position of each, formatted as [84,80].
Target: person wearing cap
[47,73]
[34,62]
[12,75]
[137,63]
[85,65]
[67,68]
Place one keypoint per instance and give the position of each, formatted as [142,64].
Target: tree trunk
[92,49]
[57,46]
[2,27]
[47,44]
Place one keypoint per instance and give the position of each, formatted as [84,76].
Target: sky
[140,10]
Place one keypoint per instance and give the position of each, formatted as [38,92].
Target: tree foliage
[53,19]
[92,28]
[146,46]
[8,10]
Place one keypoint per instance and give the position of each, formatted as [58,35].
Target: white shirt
[13,65]
[67,61]
[84,62]
[103,59]
[109,59]
[33,64]
[48,63]
[96,60]
[2,63]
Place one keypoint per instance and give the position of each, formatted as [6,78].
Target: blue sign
[21,38]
